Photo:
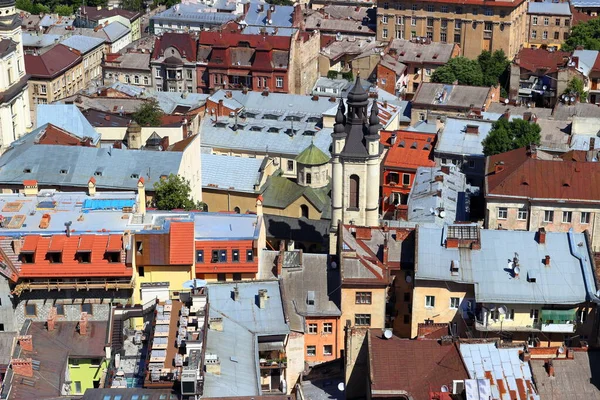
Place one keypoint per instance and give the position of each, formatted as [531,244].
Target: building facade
[15,118]
[549,24]
[91,17]
[474,26]
[132,68]
[92,52]
[173,63]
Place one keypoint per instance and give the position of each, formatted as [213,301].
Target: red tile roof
[596,66]
[218,40]
[432,331]
[52,63]
[579,16]
[525,176]
[413,366]
[98,266]
[93,14]
[411,150]
[540,59]
[181,243]
[183,42]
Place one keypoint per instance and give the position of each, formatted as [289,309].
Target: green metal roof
[280,192]
[312,155]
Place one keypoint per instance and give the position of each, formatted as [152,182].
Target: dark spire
[357,94]
[340,119]
[374,125]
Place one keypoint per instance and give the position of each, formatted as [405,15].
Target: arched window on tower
[354,191]
[308,178]
[304,211]
[237,210]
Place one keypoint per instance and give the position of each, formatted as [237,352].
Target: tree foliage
[64,10]
[461,70]
[281,2]
[133,5]
[148,114]
[586,34]
[494,67]
[576,87]
[509,135]
[174,192]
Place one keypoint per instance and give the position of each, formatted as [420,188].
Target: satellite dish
[517,270]
[561,349]
[493,307]
[432,211]
[544,87]
[333,265]
[444,389]
[387,334]
[505,101]
[572,99]
[502,310]
[442,214]
[341,386]
[409,280]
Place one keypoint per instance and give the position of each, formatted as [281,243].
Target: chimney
[22,366]
[280,258]
[236,293]
[592,144]
[393,138]
[26,342]
[51,321]
[246,8]
[212,364]
[499,167]
[547,261]
[314,97]
[445,169]
[118,144]
[269,12]
[265,93]
[134,136]
[262,298]
[83,324]
[228,94]
[16,245]
[141,197]
[385,251]
[473,129]
[244,90]
[164,143]
[30,187]
[541,236]
[550,368]
[297,16]
[259,205]
[506,114]
[92,187]
[216,324]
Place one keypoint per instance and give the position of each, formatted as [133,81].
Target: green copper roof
[312,155]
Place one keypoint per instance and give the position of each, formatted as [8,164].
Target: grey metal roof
[217,226]
[81,43]
[423,127]
[197,13]
[504,364]
[257,30]
[585,3]
[440,94]
[6,343]
[245,311]
[167,101]
[239,174]
[424,195]
[310,276]
[453,139]
[280,17]
[587,58]
[408,51]
[568,280]
[115,31]
[67,117]
[548,7]
[120,167]
[40,41]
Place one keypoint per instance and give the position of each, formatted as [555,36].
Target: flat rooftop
[215,226]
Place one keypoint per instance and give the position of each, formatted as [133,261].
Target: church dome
[312,155]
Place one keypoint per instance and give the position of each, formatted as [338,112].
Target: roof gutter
[588,276]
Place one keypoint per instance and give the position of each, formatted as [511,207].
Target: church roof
[312,155]
[357,93]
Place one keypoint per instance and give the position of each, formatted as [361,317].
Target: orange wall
[208,267]
[320,339]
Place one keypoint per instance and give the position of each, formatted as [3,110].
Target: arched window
[308,178]
[354,191]
[304,211]
[236,210]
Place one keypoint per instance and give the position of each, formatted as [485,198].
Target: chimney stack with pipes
[83,324]
[262,298]
[541,236]
[22,366]
[92,187]
[26,342]
[51,321]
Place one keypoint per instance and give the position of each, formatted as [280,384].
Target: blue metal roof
[453,139]
[35,40]
[585,3]
[281,16]
[67,117]
[83,44]
[225,172]
[587,58]
[219,226]
[115,31]
[197,13]
[568,280]
[107,204]
[548,7]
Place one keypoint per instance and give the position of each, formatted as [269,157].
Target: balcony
[566,327]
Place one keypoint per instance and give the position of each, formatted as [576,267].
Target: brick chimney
[550,368]
[541,236]
[51,321]
[246,8]
[259,205]
[262,298]
[472,129]
[92,187]
[386,251]
[26,342]
[592,144]
[164,143]
[83,324]
[236,293]
[297,16]
[280,257]
[445,169]
[547,261]
[22,366]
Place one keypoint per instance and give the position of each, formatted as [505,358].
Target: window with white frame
[327,327]
[384,19]
[585,218]
[311,351]
[548,216]
[502,212]
[546,21]
[429,301]
[454,302]
[279,82]
[157,74]
[567,217]
[545,35]
[312,329]
[534,20]
[522,214]
[400,20]
[533,34]
[413,21]
[384,33]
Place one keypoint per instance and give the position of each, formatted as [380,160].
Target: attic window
[428,140]
[256,128]
[273,117]
[402,144]
[84,257]
[435,56]
[249,115]
[243,44]
[310,298]
[309,133]
[291,131]
[64,171]
[135,176]
[427,147]
[98,173]
[566,184]
[454,267]
[314,120]
[418,55]
[274,130]
[27,170]
[414,145]
[293,118]
[402,54]
[220,124]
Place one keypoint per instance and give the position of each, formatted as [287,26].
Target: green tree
[281,2]
[174,192]
[493,67]
[575,86]
[64,10]
[586,34]
[41,9]
[133,5]
[25,5]
[461,70]
[148,114]
[509,135]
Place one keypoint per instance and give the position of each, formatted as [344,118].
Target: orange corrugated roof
[181,243]
[98,266]
[115,243]
[30,182]
[411,150]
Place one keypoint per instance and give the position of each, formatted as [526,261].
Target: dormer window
[84,257]
[26,257]
[55,257]
[135,176]
[310,298]
[27,170]
[113,256]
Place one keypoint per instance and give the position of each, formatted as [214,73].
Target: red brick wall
[389,76]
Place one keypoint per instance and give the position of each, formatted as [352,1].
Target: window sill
[352,209]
